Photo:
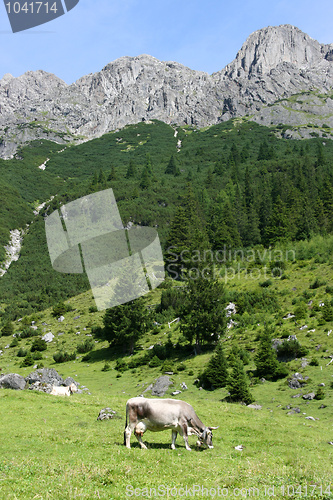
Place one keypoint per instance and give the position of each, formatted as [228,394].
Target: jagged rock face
[274,62]
[267,48]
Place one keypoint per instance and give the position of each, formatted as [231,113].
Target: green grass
[55,448]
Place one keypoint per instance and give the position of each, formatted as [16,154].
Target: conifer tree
[278,227]
[172,167]
[267,364]
[131,170]
[125,324]
[112,176]
[203,316]
[101,178]
[216,373]
[238,384]
[145,179]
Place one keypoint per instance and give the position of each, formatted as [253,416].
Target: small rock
[240,447]
[61,319]
[310,418]
[183,386]
[309,396]
[255,406]
[48,337]
[76,317]
[106,414]
[175,393]
[322,384]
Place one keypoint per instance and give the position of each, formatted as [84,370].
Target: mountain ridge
[273,63]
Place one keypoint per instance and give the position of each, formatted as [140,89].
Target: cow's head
[72,388]
[206,438]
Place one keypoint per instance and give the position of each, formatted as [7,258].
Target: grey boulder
[12,381]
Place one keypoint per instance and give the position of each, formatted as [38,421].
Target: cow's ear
[213,428]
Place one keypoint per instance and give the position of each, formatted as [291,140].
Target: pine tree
[112,176]
[125,324]
[203,316]
[216,373]
[267,364]
[238,384]
[209,178]
[278,228]
[131,170]
[145,179]
[177,244]
[101,179]
[7,330]
[172,167]
[252,232]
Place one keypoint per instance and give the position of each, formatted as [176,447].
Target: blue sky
[204,35]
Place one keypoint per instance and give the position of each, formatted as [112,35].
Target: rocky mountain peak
[269,47]
[273,63]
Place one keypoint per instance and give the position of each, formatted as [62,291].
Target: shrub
[27,361]
[265,284]
[291,349]
[329,289]
[167,367]
[301,311]
[28,333]
[121,365]
[314,362]
[317,283]
[62,357]
[38,345]
[14,342]
[7,330]
[60,309]
[93,309]
[87,357]
[106,367]
[327,312]
[181,367]
[21,353]
[37,355]
[155,361]
[85,347]
[320,394]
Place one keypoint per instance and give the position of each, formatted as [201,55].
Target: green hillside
[281,447]
[239,184]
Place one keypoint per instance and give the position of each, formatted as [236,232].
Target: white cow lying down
[63,391]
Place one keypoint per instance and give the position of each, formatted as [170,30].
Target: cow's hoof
[173,447]
[189,449]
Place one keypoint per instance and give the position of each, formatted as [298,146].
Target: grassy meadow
[54,448]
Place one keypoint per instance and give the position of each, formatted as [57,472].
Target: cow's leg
[127,435]
[173,439]
[183,432]
[139,431]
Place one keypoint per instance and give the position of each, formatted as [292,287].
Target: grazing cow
[159,414]
[63,391]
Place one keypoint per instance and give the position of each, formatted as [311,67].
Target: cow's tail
[126,425]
